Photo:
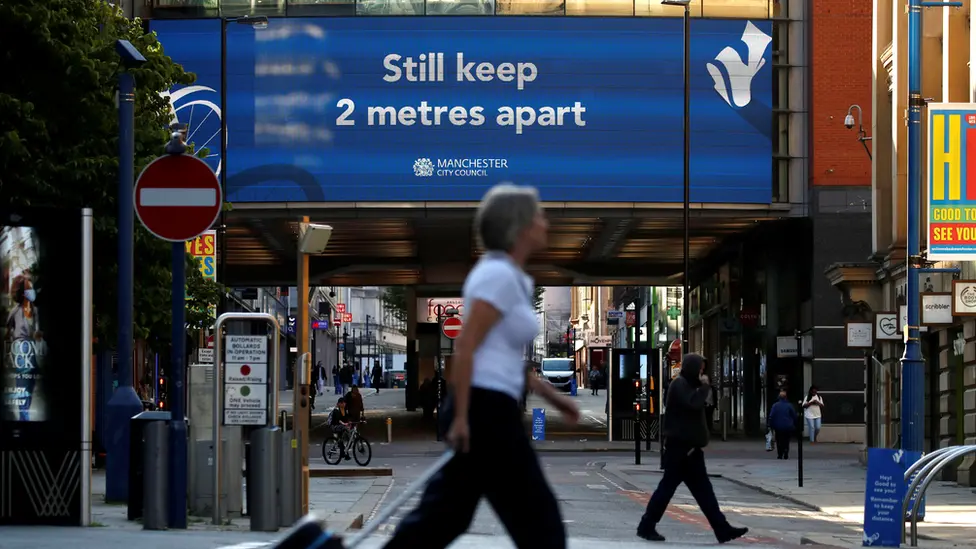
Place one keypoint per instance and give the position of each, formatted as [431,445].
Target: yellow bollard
[389,430]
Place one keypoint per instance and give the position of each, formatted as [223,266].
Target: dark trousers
[687,465]
[783,444]
[502,467]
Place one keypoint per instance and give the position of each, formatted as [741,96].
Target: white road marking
[579,473]
[597,486]
[615,485]
[379,503]
[159,197]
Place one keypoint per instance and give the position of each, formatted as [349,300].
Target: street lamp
[686,170]
[257,23]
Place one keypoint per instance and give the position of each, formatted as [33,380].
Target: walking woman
[813,413]
[495,458]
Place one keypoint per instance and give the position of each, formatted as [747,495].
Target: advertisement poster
[204,249]
[24,346]
[884,495]
[373,109]
[952,182]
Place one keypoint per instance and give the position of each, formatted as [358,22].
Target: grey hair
[505,211]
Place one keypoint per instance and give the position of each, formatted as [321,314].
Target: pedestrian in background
[813,413]
[782,421]
[684,460]
[494,458]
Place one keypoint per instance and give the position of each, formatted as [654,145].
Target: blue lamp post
[124,403]
[912,365]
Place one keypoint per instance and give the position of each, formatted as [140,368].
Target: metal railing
[928,467]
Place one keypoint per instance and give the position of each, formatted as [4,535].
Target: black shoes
[730,534]
[650,534]
[726,535]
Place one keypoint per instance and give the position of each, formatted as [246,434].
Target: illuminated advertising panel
[440,109]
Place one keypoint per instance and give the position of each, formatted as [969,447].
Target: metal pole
[218,391]
[686,174]
[177,424]
[222,229]
[124,403]
[86,363]
[871,398]
[799,439]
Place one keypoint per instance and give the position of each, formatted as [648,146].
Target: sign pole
[177,424]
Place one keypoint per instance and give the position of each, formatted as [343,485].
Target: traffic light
[162,398]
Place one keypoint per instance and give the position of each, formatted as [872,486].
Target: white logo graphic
[897,456]
[423,167]
[740,73]
[202,118]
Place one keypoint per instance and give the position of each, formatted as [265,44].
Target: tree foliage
[59,140]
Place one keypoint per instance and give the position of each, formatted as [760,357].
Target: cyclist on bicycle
[339,422]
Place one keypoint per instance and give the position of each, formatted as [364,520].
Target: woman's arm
[478,320]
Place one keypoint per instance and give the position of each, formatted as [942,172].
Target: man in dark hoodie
[686,435]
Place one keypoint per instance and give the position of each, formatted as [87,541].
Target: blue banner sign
[538,424]
[883,496]
[440,109]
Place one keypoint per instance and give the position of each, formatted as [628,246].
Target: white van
[559,371]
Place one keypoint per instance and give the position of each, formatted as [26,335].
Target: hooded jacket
[684,418]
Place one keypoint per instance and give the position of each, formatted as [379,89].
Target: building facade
[877,284]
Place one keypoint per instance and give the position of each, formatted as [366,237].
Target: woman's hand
[459,436]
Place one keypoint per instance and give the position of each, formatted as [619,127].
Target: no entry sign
[177,197]
[452,327]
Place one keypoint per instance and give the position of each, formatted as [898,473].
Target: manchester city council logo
[423,167]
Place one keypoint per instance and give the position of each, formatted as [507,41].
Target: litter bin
[137,426]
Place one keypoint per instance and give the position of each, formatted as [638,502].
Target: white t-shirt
[813,411]
[499,362]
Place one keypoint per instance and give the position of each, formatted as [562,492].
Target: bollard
[389,430]
[155,515]
[263,481]
[287,508]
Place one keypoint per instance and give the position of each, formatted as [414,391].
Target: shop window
[531,7]
[389,7]
[460,7]
[653,8]
[600,7]
[736,8]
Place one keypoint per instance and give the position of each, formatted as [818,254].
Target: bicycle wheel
[332,450]
[361,451]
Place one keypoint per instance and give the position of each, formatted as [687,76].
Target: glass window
[237,8]
[531,7]
[299,8]
[736,8]
[600,7]
[460,7]
[653,8]
[389,7]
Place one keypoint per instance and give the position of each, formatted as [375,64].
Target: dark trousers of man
[502,467]
[783,444]
[687,465]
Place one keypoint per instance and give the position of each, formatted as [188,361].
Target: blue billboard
[374,109]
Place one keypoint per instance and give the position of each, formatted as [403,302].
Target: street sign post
[452,327]
[178,197]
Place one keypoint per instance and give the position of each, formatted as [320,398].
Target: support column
[302,411]
[413,355]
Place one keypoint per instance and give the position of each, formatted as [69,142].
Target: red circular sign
[178,197]
[452,327]
[245,370]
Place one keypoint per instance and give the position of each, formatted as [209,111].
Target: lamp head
[684,3]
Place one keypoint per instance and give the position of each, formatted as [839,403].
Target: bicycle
[355,445]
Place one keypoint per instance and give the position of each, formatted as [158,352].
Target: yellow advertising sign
[204,249]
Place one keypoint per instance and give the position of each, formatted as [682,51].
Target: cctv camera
[331,294]
[849,122]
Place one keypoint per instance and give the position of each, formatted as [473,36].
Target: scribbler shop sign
[952,182]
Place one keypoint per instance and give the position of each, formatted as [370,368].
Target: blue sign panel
[884,494]
[440,109]
[538,424]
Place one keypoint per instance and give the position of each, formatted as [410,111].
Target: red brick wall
[841,73]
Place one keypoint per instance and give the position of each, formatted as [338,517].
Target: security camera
[331,294]
[849,121]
